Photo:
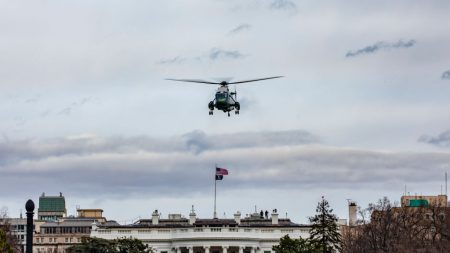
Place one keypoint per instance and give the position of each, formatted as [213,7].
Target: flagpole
[215,194]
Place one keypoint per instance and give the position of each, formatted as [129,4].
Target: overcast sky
[362,111]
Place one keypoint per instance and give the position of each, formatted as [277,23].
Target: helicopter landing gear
[211,105]
[236,112]
[210,112]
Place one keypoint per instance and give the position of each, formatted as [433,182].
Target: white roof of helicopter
[222,89]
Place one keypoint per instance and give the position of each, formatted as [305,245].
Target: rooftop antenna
[405,190]
[446,183]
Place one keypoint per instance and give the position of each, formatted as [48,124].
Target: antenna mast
[446,183]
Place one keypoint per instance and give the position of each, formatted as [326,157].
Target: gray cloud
[198,141]
[32,100]
[446,75]
[220,54]
[381,46]
[239,29]
[183,165]
[175,60]
[193,142]
[74,105]
[66,111]
[442,140]
[215,54]
[283,5]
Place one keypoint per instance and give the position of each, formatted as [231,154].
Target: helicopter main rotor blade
[255,80]
[191,81]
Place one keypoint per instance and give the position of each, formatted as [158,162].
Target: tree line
[385,227]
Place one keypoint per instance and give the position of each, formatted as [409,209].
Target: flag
[220,173]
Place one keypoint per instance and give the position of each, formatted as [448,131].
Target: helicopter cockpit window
[221,96]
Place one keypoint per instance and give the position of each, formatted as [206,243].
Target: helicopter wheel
[236,112]
[210,112]
[228,114]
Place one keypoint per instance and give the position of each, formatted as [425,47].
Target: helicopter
[224,100]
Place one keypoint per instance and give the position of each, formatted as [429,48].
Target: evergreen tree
[324,231]
[288,245]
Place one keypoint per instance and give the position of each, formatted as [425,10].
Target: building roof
[268,223]
[76,222]
[184,223]
[52,204]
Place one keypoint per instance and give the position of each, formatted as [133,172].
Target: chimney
[352,207]
[155,217]
[192,216]
[237,217]
[94,226]
[274,217]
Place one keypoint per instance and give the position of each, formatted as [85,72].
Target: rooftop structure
[51,207]
[90,213]
[422,201]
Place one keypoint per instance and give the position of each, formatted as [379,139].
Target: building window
[67,239]
[50,239]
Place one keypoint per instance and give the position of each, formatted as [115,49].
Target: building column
[252,250]
[241,249]
[191,249]
[178,250]
[206,249]
[224,249]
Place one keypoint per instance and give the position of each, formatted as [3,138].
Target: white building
[254,234]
